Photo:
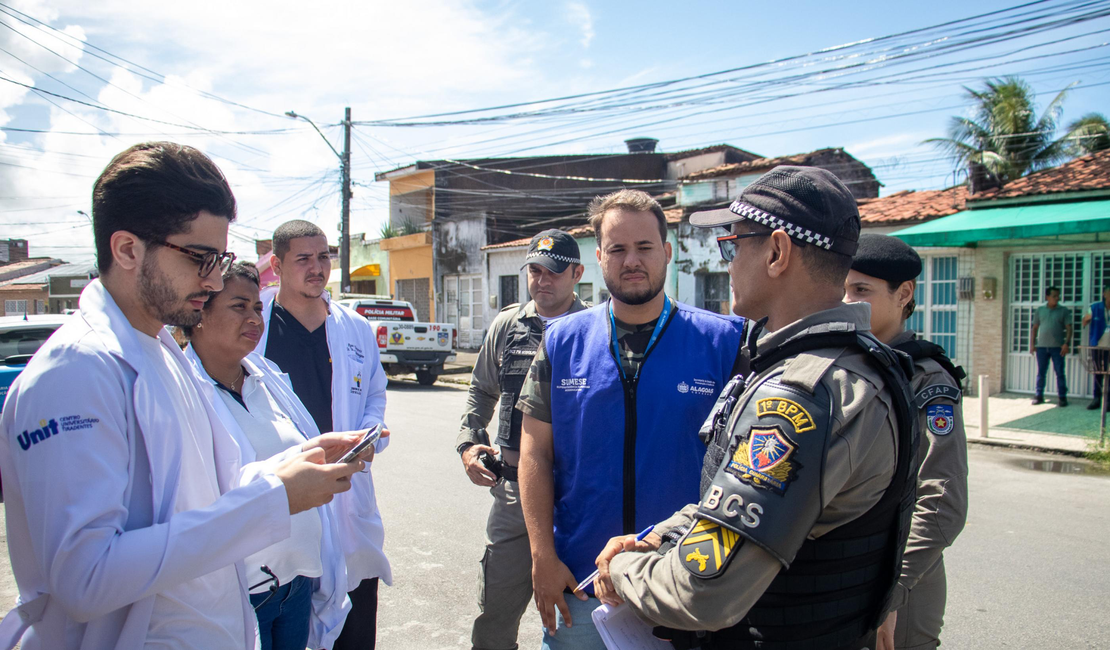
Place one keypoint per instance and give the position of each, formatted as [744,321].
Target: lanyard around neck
[651,342]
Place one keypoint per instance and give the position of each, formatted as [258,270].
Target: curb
[987,442]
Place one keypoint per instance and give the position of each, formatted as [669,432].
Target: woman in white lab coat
[298,586]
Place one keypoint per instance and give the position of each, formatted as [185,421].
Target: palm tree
[1004,136]
[1088,134]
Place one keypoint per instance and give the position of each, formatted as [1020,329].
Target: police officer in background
[505,576]
[797,541]
[884,274]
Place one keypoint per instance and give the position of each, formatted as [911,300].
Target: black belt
[508,472]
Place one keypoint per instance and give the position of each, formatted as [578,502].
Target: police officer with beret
[810,474]
[505,576]
[884,273]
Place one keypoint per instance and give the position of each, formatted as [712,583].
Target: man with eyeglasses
[126,527]
[809,480]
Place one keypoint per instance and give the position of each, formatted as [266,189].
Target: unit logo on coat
[764,459]
[940,418]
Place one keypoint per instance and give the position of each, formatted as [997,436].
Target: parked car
[20,338]
[406,344]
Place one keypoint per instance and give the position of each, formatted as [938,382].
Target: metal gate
[463,303]
[1080,277]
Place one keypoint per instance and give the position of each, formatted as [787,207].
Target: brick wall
[989,320]
[31,295]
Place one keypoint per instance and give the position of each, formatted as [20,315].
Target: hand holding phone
[370,438]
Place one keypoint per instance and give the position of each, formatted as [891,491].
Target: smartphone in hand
[368,439]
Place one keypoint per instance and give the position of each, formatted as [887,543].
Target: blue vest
[627,453]
[1098,323]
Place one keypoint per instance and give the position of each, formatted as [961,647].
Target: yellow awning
[368,271]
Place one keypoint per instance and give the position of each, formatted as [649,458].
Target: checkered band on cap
[753,213]
[554,256]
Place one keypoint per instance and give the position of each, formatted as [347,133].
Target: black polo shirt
[305,357]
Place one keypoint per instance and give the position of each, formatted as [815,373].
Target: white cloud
[382,59]
[579,15]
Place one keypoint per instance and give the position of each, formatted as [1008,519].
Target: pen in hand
[593,576]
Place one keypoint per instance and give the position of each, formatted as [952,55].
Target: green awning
[1015,222]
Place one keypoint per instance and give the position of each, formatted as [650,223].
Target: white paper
[621,629]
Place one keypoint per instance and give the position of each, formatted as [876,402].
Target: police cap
[809,203]
[887,258]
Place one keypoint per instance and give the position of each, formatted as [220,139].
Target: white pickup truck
[405,344]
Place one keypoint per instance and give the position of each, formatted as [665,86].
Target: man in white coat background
[331,357]
[125,525]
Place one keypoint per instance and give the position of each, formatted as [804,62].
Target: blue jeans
[283,620]
[582,635]
[1043,355]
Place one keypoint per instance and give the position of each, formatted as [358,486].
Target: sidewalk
[1015,422]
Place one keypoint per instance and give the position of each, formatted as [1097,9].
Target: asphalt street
[1029,571]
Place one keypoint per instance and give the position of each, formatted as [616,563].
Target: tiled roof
[762,164]
[82,269]
[24,264]
[690,153]
[910,206]
[674,215]
[8,287]
[1090,172]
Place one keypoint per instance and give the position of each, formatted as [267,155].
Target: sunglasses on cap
[727,243]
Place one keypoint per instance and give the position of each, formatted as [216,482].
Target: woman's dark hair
[911,306]
[154,190]
[239,270]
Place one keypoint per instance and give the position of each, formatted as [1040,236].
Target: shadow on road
[410,384]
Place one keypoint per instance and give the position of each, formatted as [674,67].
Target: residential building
[52,291]
[990,256]
[452,210]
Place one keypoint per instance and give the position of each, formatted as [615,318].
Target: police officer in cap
[809,478]
[505,574]
[884,274]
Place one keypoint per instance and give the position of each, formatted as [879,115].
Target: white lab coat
[330,603]
[358,385]
[92,531]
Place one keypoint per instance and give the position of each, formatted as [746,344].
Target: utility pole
[345,220]
[345,217]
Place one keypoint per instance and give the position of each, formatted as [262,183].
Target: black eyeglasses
[727,243]
[208,261]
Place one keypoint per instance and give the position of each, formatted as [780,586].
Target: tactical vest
[834,589]
[521,344]
[920,349]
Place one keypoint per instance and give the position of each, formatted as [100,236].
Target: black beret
[887,258]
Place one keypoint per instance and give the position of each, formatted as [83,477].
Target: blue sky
[401,59]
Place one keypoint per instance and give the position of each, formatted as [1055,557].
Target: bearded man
[612,408]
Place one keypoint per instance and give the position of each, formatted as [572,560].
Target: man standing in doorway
[1049,339]
[612,408]
[331,357]
[1098,336]
[505,575]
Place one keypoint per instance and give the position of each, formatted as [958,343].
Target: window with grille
[714,294]
[510,290]
[1033,274]
[15,307]
[585,291]
[936,297]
